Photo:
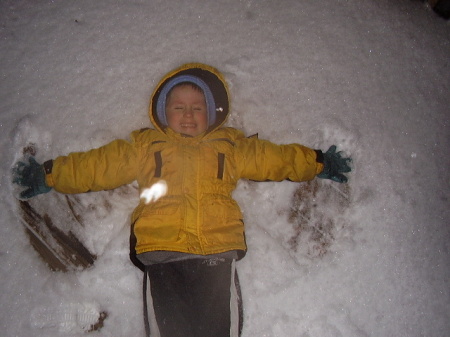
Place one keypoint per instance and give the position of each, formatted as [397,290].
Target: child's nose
[188,111]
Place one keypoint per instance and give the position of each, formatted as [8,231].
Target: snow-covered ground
[372,76]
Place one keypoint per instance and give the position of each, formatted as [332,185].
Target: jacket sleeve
[107,167]
[262,160]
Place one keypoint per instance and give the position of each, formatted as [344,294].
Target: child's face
[186,111]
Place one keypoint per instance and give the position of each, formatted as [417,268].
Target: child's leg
[170,300]
[192,298]
[236,306]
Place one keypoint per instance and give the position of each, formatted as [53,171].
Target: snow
[371,76]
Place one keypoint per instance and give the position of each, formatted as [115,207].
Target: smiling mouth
[188,125]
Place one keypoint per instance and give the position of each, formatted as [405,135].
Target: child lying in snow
[189,238]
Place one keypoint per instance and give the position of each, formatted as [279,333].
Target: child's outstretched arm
[32,177]
[262,160]
[104,168]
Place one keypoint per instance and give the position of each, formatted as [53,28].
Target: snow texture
[371,76]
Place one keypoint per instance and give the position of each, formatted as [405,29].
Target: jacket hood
[206,77]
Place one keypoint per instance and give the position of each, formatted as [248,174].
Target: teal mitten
[31,176]
[334,165]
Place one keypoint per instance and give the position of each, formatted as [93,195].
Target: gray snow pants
[193,298]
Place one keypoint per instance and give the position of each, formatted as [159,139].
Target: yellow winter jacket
[198,214]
